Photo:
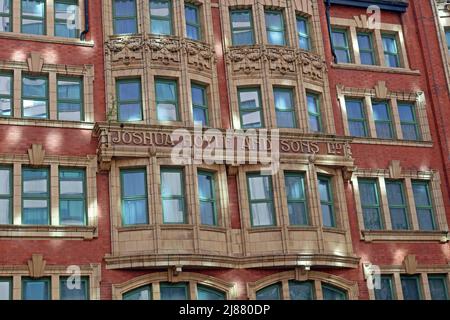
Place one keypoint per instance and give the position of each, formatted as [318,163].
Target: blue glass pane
[134,212]
[72,212]
[262,214]
[354,109]
[274,20]
[249,99]
[5,211]
[339,39]
[242,37]
[5,107]
[409,132]
[34,109]
[294,188]
[5,290]
[368,193]
[129,90]
[198,96]
[395,194]
[406,112]
[251,119]
[367,58]
[301,290]
[5,182]
[207,213]
[124,8]
[173,211]
[364,42]
[205,186]
[384,130]
[143,293]
[160,8]
[190,14]
[385,291]
[425,217]
[171,183]
[304,43]
[163,27]
[192,32]
[166,112]
[130,112]
[35,182]
[35,212]
[283,99]
[285,119]
[275,38]
[36,290]
[33,26]
[302,26]
[312,104]
[36,88]
[5,25]
[399,219]
[297,213]
[357,129]
[69,111]
[241,19]
[372,220]
[259,188]
[62,30]
[421,194]
[5,84]
[391,61]
[70,290]
[173,292]
[327,215]
[390,45]
[272,292]
[380,111]
[34,8]
[410,288]
[69,89]
[5,6]
[438,287]
[204,293]
[342,56]
[133,183]
[323,190]
[200,116]
[314,123]
[332,293]
[125,26]
[166,91]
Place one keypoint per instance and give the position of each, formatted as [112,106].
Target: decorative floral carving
[281,59]
[199,55]
[247,59]
[165,50]
[125,49]
[312,65]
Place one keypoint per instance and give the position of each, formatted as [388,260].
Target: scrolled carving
[125,49]
[165,50]
[199,55]
[281,59]
[246,59]
[313,65]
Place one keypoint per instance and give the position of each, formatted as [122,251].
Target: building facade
[224,149]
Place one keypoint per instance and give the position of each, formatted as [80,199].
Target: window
[411,287]
[385,292]
[6,195]
[340,45]
[134,196]
[35,97]
[199,104]
[326,202]
[208,293]
[382,118]
[250,108]
[193,27]
[357,123]
[315,119]
[332,293]
[397,205]
[172,192]
[447,37]
[35,196]
[142,293]
[70,290]
[5,16]
[260,196]
[304,39]
[272,292]
[161,17]
[36,289]
[66,13]
[5,288]
[167,100]
[391,56]
[70,99]
[370,203]
[33,17]
[72,196]
[174,291]
[296,198]
[365,45]
[207,198]
[301,290]
[408,121]
[129,99]
[6,94]
[124,16]
[284,107]
[424,206]
[242,27]
[438,286]
[275,28]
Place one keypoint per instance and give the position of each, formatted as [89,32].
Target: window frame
[404,206]
[85,279]
[212,200]
[429,207]
[444,279]
[175,102]
[211,290]
[204,107]
[9,280]
[389,121]
[302,35]
[183,284]
[270,201]
[198,24]
[391,287]
[46,99]
[279,287]
[363,120]
[139,101]
[346,48]
[318,115]
[417,278]
[56,21]
[30,279]
[158,18]
[182,197]
[292,109]
[396,54]
[115,19]
[11,93]
[330,203]
[10,197]
[123,171]
[251,28]
[371,50]
[272,29]
[47,197]
[80,101]
[378,206]
[26,17]
[8,15]
[304,201]
[84,198]
[415,122]
[334,289]
[260,109]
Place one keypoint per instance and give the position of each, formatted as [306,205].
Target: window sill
[46,232]
[407,236]
[360,67]
[47,39]
[406,143]
[264,229]
[46,123]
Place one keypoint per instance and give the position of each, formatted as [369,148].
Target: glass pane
[35,182]
[425,217]
[251,119]
[35,212]
[269,293]
[205,186]
[385,291]
[130,112]
[283,99]
[36,290]
[160,8]
[242,37]
[275,38]
[285,119]
[368,192]
[207,213]
[294,188]
[143,293]
[312,104]
[167,112]
[249,99]
[391,60]
[384,130]
[409,132]
[33,26]
[190,13]
[339,39]
[5,6]
[163,27]
[395,194]
[367,58]
[364,42]
[69,111]
[406,112]
[357,128]
[134,212]
[35,8]
[124,8]
[380,111]
[304,43]
[198,96]
[372,220]
[354,109]
[5,107]
[410,288]
[342,56]
[438,287]
[133,183]
[5,25]
[5,287]
[274,20]
[259,188]
[125,26]
[262,214]
[327,216]
[69,89]
[129,90]
[5,85]
[323,190]
[389,44]
[200,116]
[171,183]
[71,187]
[173,211]
[302,26]
[241,19]
[72,212]
[297,213]
[73,291]
[301,290]
[5,181]
[399,219]
[420,191]
[35,88]
[314,123]
[332,293]
[173,292]
[5,208]
[204,293]
[35,109]
[193,32]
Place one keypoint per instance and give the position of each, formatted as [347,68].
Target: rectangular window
[5,16]
[438,286]
[35,196]
[5,288]
[6,195]
[391,56]
[161,17]
[284,107]
[193,26]
[340,45]
[36,289]
[408,121]
[296,198]
[250,108]
[370,203]
[357,122]
[411,287]
[275,28]
[304,38]
[172,193]
[174,291]
[6,94]
[66,15]
[129,100]
[125,17]
[365,45]
[167,100]
[69,290]
[199,104]
[133,184]
[242,27]
[207,198]
[260,195]
[424,206]
[326,202]
[33,17]
[397,205]
[382,119]
[70,99]
[385,292]
[35,97]
[72,196]
[314,117]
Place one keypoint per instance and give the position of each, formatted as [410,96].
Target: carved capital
[36,154]
[35,62]
[36,265]
[410,264]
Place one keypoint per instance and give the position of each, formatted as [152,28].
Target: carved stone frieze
[199,55]
[245,59]
[281,59]
[164,49]
[313,66]
[125,49]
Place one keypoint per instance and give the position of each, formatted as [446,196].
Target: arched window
[208,293]
[141,293]
[330,292]
[301,290]
[272,292]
